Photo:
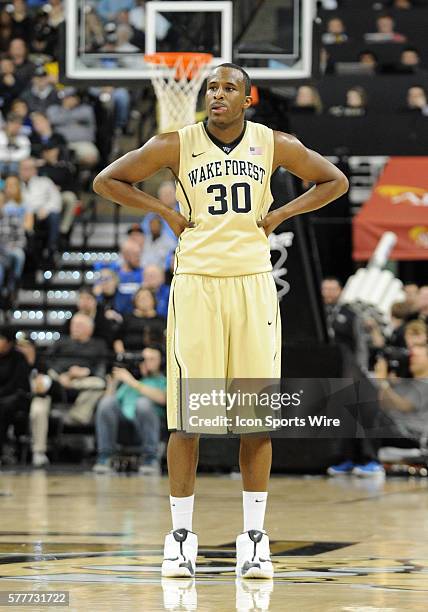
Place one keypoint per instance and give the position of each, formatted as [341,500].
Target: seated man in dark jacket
[78,363]
[104,328]
[14,386]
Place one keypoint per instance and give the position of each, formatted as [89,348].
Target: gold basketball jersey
[224,195]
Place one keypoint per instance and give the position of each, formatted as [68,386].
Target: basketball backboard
[272,39]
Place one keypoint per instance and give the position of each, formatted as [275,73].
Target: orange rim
[171,58]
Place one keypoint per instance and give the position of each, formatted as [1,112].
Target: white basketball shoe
[253,555]
[180,552]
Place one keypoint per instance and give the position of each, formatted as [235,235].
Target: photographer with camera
[140,399]
[405,401]
[394,413]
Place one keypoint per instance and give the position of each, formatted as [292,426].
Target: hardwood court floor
[339,545]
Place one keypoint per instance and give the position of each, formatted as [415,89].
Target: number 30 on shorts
[240,198]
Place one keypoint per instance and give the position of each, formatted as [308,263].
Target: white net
[177,82]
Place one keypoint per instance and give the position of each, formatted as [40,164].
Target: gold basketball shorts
[219,329]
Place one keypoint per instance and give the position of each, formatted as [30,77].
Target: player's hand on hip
[270,222]
[177,222]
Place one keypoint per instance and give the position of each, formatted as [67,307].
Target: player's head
[228,94]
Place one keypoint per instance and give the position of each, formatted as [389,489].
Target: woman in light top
[15,222]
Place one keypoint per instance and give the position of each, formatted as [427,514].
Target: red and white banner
[398,203]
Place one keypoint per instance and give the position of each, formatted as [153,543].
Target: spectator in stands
[76,122]
[62,173]
[55,13]
[385,31]
[21,20]
[42,93]
[307,100]
[336,32]
[415,333]
[355,106]
[356,101]
[43,134]
[94,31]
[14,146]
[43,390]
[10,85]
[416,101]
[154,279]
[423,303]
[125,37]
[138,36]
[106,291]
[406,401]
[410,60]
[14,387]
[44,201]
[19,107]
[368,58]
[400,312]
[142,327]
[343,324]
[411,291]
[137,235]
[141,400]
[78,363]
[15,221]
[409,63]
[167,195]
[87,305]
[401,4]
[6,29]
[157,244]
[44,37]
[18,51]
[130,275]
[123,45]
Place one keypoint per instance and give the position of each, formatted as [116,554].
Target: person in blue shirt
[154,279]
[130,275]
[140,400]
[166,194]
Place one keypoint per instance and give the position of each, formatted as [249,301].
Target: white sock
[182,512]
[254,504]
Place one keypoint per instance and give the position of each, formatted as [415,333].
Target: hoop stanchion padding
[177,79]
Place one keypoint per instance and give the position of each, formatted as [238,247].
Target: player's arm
[117,181]
[330,182]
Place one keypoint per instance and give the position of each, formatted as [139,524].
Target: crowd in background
[370,59]
[51,142]
[110,357]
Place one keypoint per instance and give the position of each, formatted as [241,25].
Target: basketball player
[223,299]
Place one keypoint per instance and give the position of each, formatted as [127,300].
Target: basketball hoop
[177,79]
